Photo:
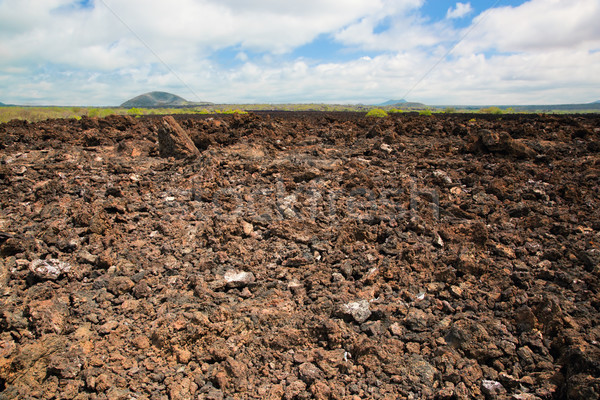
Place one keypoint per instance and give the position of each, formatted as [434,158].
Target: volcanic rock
[501,142]
[238,278]
[297,257]
[173,140]
[50,269]
[357,310]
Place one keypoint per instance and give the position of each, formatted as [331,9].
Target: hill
[159,99]
[2,104]
[392,102]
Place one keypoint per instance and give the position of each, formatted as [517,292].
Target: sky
[478,52]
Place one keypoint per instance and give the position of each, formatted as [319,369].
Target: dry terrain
[300,256]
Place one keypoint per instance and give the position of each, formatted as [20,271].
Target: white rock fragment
[50,269]
[490,388]
[437,240]
[358,310]
[235,278]
[386,147]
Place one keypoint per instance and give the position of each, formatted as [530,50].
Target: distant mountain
[596,102]
[159,99]
[392,102]
[2,104]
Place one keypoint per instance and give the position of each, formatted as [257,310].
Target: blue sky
[103,52]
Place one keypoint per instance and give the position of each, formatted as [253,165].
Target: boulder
[500,142]
[173,140]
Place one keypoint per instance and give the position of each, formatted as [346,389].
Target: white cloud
[537,26]
[539,52]
[459,11]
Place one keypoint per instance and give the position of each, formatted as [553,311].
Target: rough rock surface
[173,141]
[301,255]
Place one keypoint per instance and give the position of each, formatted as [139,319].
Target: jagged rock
[238,279]
[50,269]
[357,310]
[501,142]
[492,388]
[173,140]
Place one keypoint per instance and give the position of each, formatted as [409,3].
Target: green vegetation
[34,114]
[236,111]
[377,113]
[100,112]
[134,112]
[491,110]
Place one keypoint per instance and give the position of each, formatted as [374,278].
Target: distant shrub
[377,113]
[135,112]
[395,111]
[425,112]
[236,111]
[491,110]
[450,110]
[100,112]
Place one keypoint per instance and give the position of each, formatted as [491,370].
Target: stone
[294,389]
[438,241]
[357,310]
[320,390]
[119,285]
[141,342]
[492,388]
[502,142]
[235,278]
[173,140]
[50,269]
[309,372]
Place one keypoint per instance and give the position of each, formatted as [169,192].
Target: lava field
[301,256]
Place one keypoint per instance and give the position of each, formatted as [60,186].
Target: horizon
[475,53]
[297,103]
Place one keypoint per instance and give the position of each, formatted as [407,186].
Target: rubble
[300,255]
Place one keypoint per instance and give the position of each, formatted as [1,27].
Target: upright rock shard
[173,141]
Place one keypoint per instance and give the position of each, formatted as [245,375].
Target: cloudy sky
[479,52]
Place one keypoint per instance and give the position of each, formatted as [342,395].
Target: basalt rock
[173,140]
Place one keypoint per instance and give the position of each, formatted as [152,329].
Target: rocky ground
[299,256]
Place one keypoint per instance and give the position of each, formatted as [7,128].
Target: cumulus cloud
[537,26]
[459,11]
[54,51]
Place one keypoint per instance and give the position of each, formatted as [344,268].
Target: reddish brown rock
[301,255]
[173,140]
